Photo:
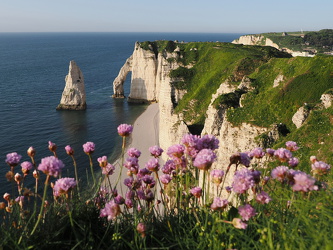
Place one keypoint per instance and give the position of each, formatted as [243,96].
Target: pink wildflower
[89,147]
[293,162]
[63,186]
[196,192]
[191,144]
[51,166]
[208,142]
[125,130]
[133,152]
[283,154]
[246,211]
[304,182]
[204,159]
[155,151]
[26,167]
[153,165]
[103,161]
[243,180]
[292,146]
[320,168]
[219,204]
[111,210]
[141,228]
[217,175]
[176,151]
[31,152]
[270,151]
[13,159]
[168,167]
[257,153]
[108,169]
[165,179]
[263,198]
[280,173]
[239,224]
[69,150]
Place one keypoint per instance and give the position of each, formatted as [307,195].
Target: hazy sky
[238,16]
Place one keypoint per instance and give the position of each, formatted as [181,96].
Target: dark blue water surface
[33,67]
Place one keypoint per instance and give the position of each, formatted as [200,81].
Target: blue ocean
[33,67]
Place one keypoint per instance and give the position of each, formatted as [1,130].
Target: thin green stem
[76,175]
[92,169]
[40,215]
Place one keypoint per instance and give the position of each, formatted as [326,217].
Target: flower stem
[42,205]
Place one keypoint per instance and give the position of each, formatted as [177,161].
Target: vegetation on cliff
[206,65]
[321,41]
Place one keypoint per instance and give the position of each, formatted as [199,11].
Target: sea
[33,67]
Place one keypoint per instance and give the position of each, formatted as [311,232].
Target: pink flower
[155,151]
[239,224]
[204,159]
[51,166]
[292,146]
[125,130]
[63,186]
[208,142]
[191,144]
[219,204]
[270,151]
[69,150]
[263,198]
[280,173]
[257,153]
[108,169]
[13,159]
[111,210]
[26,167]
[243,180]
[168,167]
[304,182]
[176,151]
[165,179]
[103,161]
[133,152]
[153,165]
[141,228]
[283,154]
[293,162]
[217,175]
[196,191]
[246,211]
[320,168]
[89,147]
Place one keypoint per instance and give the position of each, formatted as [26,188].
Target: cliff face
[74,94]
[255,40]
[151,82]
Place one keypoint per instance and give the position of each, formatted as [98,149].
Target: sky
[209,16]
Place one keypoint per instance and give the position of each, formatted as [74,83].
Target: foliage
[258,212]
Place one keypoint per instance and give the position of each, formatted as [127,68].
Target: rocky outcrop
[250,40]
[327,100]
[300,116]
[143,65]
[74,94]
[278,80]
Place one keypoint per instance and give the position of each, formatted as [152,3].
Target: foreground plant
[254,202]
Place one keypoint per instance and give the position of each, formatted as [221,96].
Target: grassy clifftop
[206,65]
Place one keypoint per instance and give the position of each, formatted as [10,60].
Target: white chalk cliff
[151,82]
[74,94]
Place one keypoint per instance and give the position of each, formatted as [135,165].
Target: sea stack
[74,94]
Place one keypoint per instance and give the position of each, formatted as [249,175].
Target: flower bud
[31,152]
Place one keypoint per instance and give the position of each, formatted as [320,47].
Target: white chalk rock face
[74,94]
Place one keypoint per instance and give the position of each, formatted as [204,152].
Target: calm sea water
[33,67]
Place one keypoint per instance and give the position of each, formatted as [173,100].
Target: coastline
[145,134]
